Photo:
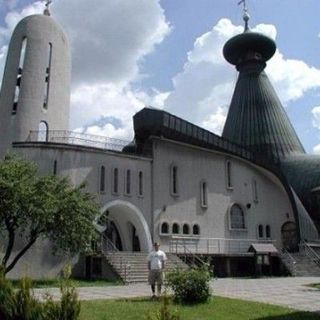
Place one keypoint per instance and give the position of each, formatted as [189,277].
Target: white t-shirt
[156,258]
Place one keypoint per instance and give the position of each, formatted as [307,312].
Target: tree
[34,206]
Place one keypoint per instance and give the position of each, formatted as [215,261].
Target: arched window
[204,194]
[175,228]
[102,179]
[47,77]
[19,75]
[268,232]
[255,191]
[174,180]
[115,180]
[128,182]
[237,220]
[260,231]
[185,229]
[228,166]
[140,183]
[164,228]
[43,131]
[196,229]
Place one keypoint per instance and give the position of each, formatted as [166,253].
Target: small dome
[240,45]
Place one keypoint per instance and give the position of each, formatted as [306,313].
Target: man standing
[156,265]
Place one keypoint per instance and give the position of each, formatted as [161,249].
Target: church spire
[256,118]
[246,16]
[46,11]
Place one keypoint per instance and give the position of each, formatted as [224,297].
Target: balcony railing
[196,245]
[76,138]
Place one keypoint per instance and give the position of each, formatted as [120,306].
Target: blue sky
[167,53]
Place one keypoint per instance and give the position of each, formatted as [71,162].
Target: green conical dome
[256,118]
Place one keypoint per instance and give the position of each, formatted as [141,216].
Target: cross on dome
[246,15]
[46,10]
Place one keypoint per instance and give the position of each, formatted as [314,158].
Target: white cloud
[316,149]
[203,90]
[316,117]
[110,38]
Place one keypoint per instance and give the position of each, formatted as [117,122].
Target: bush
[190,286]
[7,298]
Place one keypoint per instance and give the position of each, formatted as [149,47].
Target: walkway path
[289,292]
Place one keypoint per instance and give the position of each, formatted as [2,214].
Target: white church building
[253,190]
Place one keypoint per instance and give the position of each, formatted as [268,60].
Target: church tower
[256,118]
[35,93]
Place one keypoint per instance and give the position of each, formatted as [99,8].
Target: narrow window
[229,175]
[175,228]
[115,180]
[128,182]
[102,179]
[140,183]
[55,167]
[47,78]
[185,229]
[196,229]
[43,131]
[19,76]
[237,220]
[268,232]
[260,231]
[204,194]
[174,180]
[254,190]
[164,228]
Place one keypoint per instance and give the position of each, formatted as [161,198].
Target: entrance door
[135,240]
[289,236]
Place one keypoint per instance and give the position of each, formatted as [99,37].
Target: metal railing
[212,245]
[288,261]
[306,249]
[76,138]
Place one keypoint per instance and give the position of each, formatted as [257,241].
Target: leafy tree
[34,206]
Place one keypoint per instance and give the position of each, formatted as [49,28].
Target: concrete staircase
[133,267]
[300,265]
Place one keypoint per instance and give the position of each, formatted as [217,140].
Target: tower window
[115,180]
[228,166]
[164,228]
[43,133]
[102,179]
[55,164]
[128,182]
[140,183]
[254,190]
[19,75]
[47,78]
[203,194]
[174,180]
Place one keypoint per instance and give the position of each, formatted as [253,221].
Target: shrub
[190,286]
[164,312]
[7,298]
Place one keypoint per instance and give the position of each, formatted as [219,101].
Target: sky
[128,54]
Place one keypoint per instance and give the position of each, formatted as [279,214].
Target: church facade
[175,183]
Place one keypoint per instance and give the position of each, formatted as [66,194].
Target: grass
[55,283]
[217,309]
[314,285]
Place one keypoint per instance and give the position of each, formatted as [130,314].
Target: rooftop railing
[76,138]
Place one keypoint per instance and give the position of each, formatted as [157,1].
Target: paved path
[289,292]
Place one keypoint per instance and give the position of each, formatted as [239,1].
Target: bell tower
[36,83]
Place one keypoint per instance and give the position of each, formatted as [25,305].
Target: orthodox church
[252,190]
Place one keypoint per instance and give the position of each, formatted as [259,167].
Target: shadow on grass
[299,315]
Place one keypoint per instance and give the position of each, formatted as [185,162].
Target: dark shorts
[155,276]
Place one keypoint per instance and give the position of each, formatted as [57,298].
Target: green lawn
[55,283]
[217,309]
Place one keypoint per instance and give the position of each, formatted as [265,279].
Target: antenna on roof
[246,15]
[46,10]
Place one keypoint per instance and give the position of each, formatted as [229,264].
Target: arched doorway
[125,226]
[289,236]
